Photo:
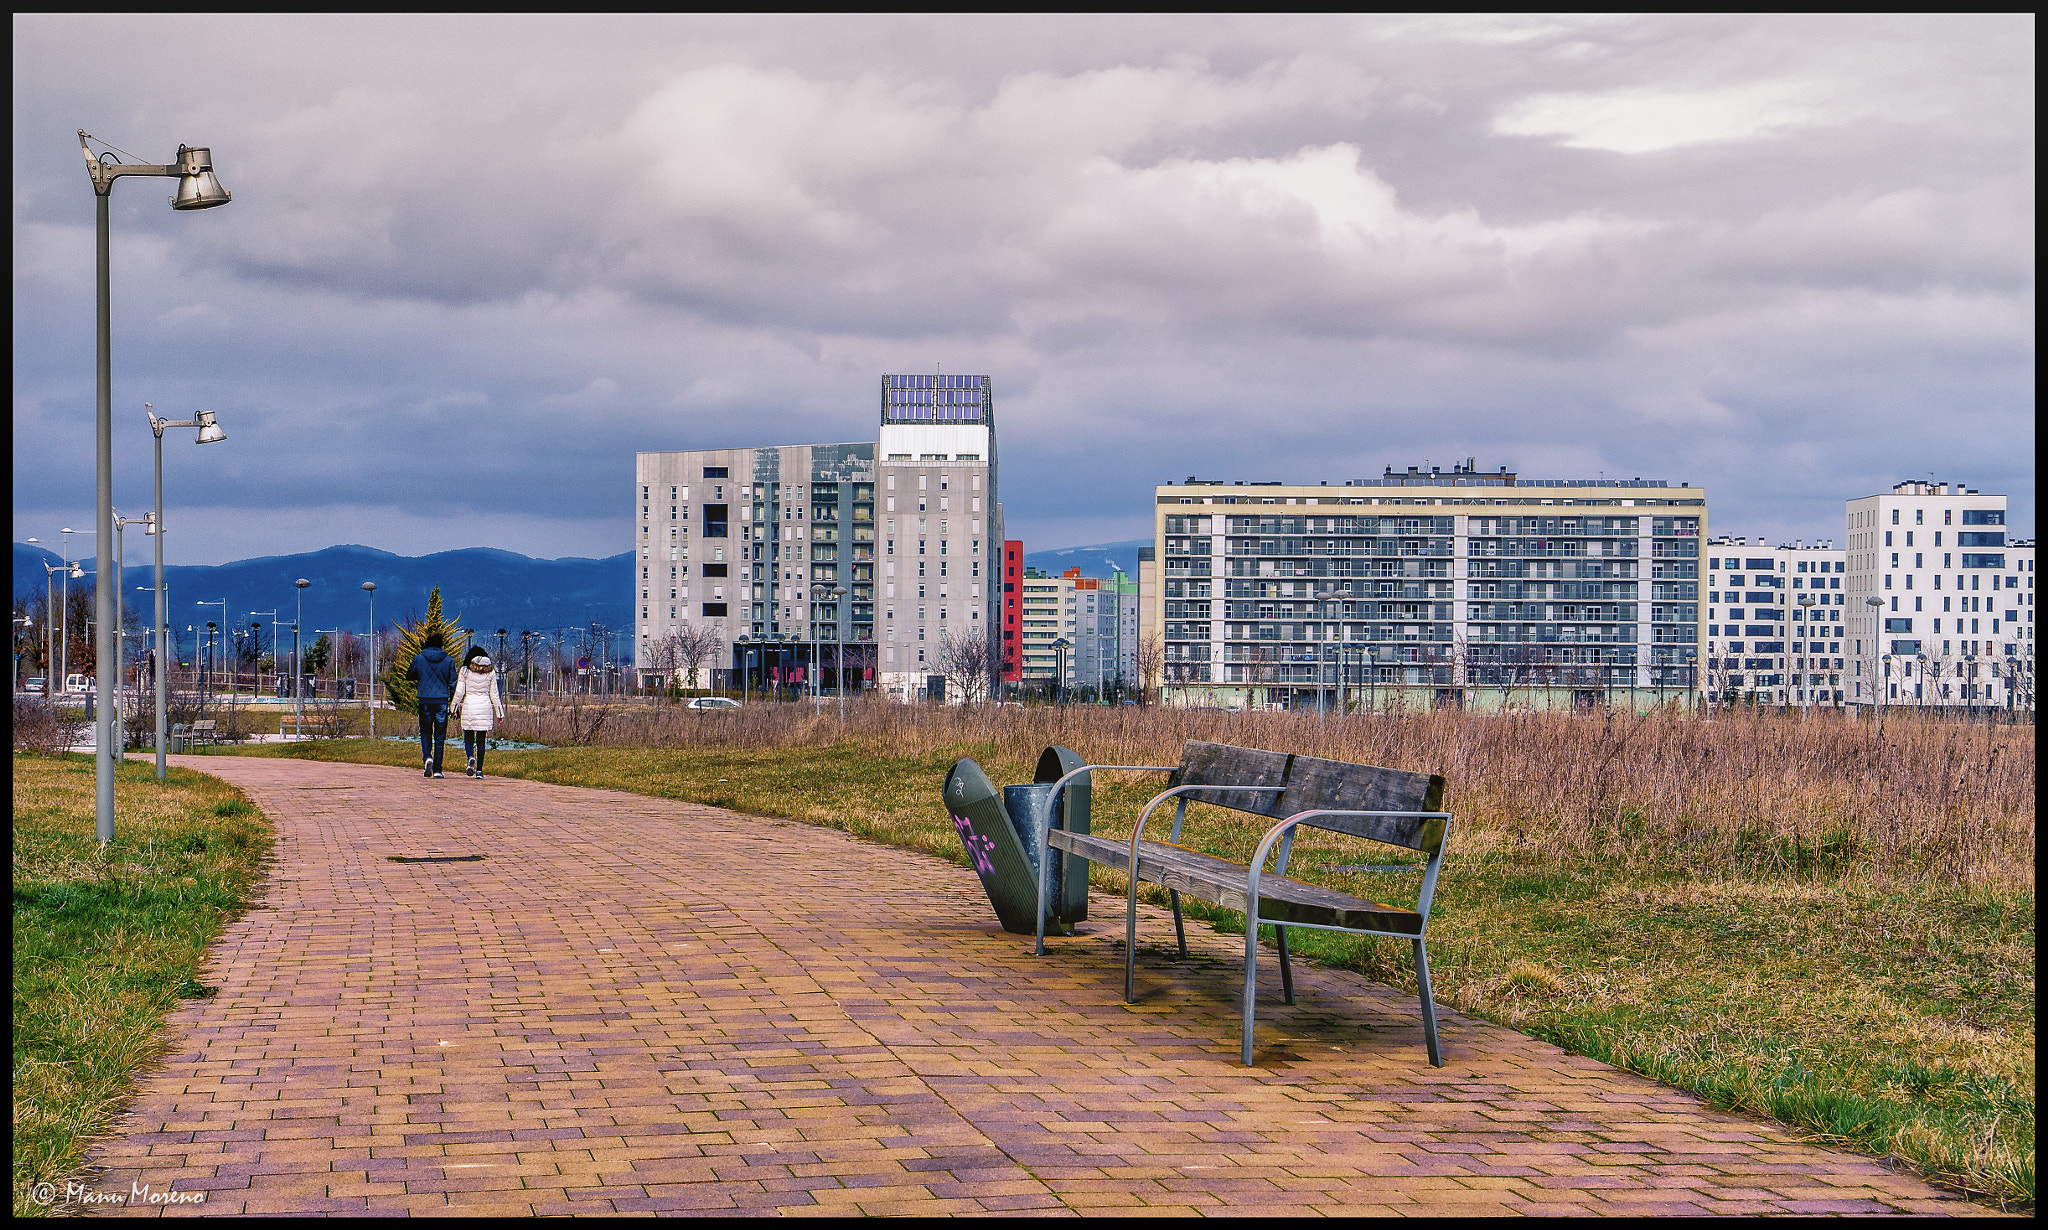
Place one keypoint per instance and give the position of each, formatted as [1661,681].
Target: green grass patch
[108,941]
[1891,1013]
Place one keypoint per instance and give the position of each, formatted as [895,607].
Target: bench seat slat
[1222,882]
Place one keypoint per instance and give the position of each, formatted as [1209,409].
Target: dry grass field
[1826,921]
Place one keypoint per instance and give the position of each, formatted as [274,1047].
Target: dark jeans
[474,744]
[433,730]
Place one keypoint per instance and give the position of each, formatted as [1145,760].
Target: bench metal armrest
[1286,829]
[1045,838]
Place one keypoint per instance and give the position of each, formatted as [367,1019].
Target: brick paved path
[633,1004]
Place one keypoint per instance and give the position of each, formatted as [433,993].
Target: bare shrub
[41,727]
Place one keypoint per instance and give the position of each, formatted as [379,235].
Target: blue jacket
[434,671]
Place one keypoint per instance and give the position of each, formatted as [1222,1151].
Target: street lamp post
[222,603]
[256,654]
[370,591]
[838,652]
[77,570]
[1323,593]
[197,189]
[1059,671]
[209,432]
[50,626]
[1806,677]
[1875,605]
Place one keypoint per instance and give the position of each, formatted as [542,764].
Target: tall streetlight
[209,431]
[197,189]
[1059,670]
[1875,605]
[78,572]
[839,651]
[298,662]
[222,603]
[50,625]
[256,655]
[1323,595]
[1806,679]
[370,591]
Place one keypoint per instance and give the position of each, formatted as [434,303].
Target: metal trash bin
[176,744]
[1001,829]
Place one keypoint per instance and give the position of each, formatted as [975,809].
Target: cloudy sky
[473,265]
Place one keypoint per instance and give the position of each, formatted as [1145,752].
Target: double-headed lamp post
[197,189]
[298,663]
[370,591]
[209,432]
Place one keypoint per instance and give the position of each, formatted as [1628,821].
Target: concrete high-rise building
[1428,587]
[793,554]
[1777,620]
[1044,603]
[1953,621]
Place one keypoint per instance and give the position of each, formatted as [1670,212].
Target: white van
[78,683]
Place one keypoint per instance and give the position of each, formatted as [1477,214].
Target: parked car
[713,702]
[75,683]
[33,684]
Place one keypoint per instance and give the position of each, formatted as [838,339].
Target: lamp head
[302,583]
[197,186]
[209,431]
[370,586]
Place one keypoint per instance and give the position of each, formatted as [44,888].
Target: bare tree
[964,660]
[1151,655]
[685,651]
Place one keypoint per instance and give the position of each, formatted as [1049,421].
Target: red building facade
[1013,611]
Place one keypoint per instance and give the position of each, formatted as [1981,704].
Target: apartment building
[1101,621]
[1941,603]
[1428,587]
[1776,620]
[795,557]
[1045,601]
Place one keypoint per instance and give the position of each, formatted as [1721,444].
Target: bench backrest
[203,724]
[1314,784]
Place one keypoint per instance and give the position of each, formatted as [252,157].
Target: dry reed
[1743,792]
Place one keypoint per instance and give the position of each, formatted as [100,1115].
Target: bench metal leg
[1251,983]
[1180,932]
[1131,943]
[1286,970]
[1436,1055]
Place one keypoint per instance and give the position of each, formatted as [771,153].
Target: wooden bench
[1384,805]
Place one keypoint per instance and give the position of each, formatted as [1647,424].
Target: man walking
[434,671]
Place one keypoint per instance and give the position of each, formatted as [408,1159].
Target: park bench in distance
[1384,805]
[202,731]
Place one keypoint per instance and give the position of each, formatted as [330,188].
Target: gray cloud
[1789,259]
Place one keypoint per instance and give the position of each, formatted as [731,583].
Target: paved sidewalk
[632,1004]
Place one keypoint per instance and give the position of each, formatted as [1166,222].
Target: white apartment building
[1437,587]
[1775,622]
[796,557]
[1941,603]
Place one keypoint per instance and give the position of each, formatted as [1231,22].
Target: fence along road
[633,1004]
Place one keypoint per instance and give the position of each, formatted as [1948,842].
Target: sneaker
[427,767]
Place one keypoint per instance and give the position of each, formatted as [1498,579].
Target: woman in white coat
[477,705]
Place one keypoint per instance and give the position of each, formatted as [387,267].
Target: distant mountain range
[1099,560]
[480,586]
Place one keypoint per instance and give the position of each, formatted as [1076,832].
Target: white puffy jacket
[476,698]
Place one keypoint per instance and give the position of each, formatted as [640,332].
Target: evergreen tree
[404,693]
[317,655]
